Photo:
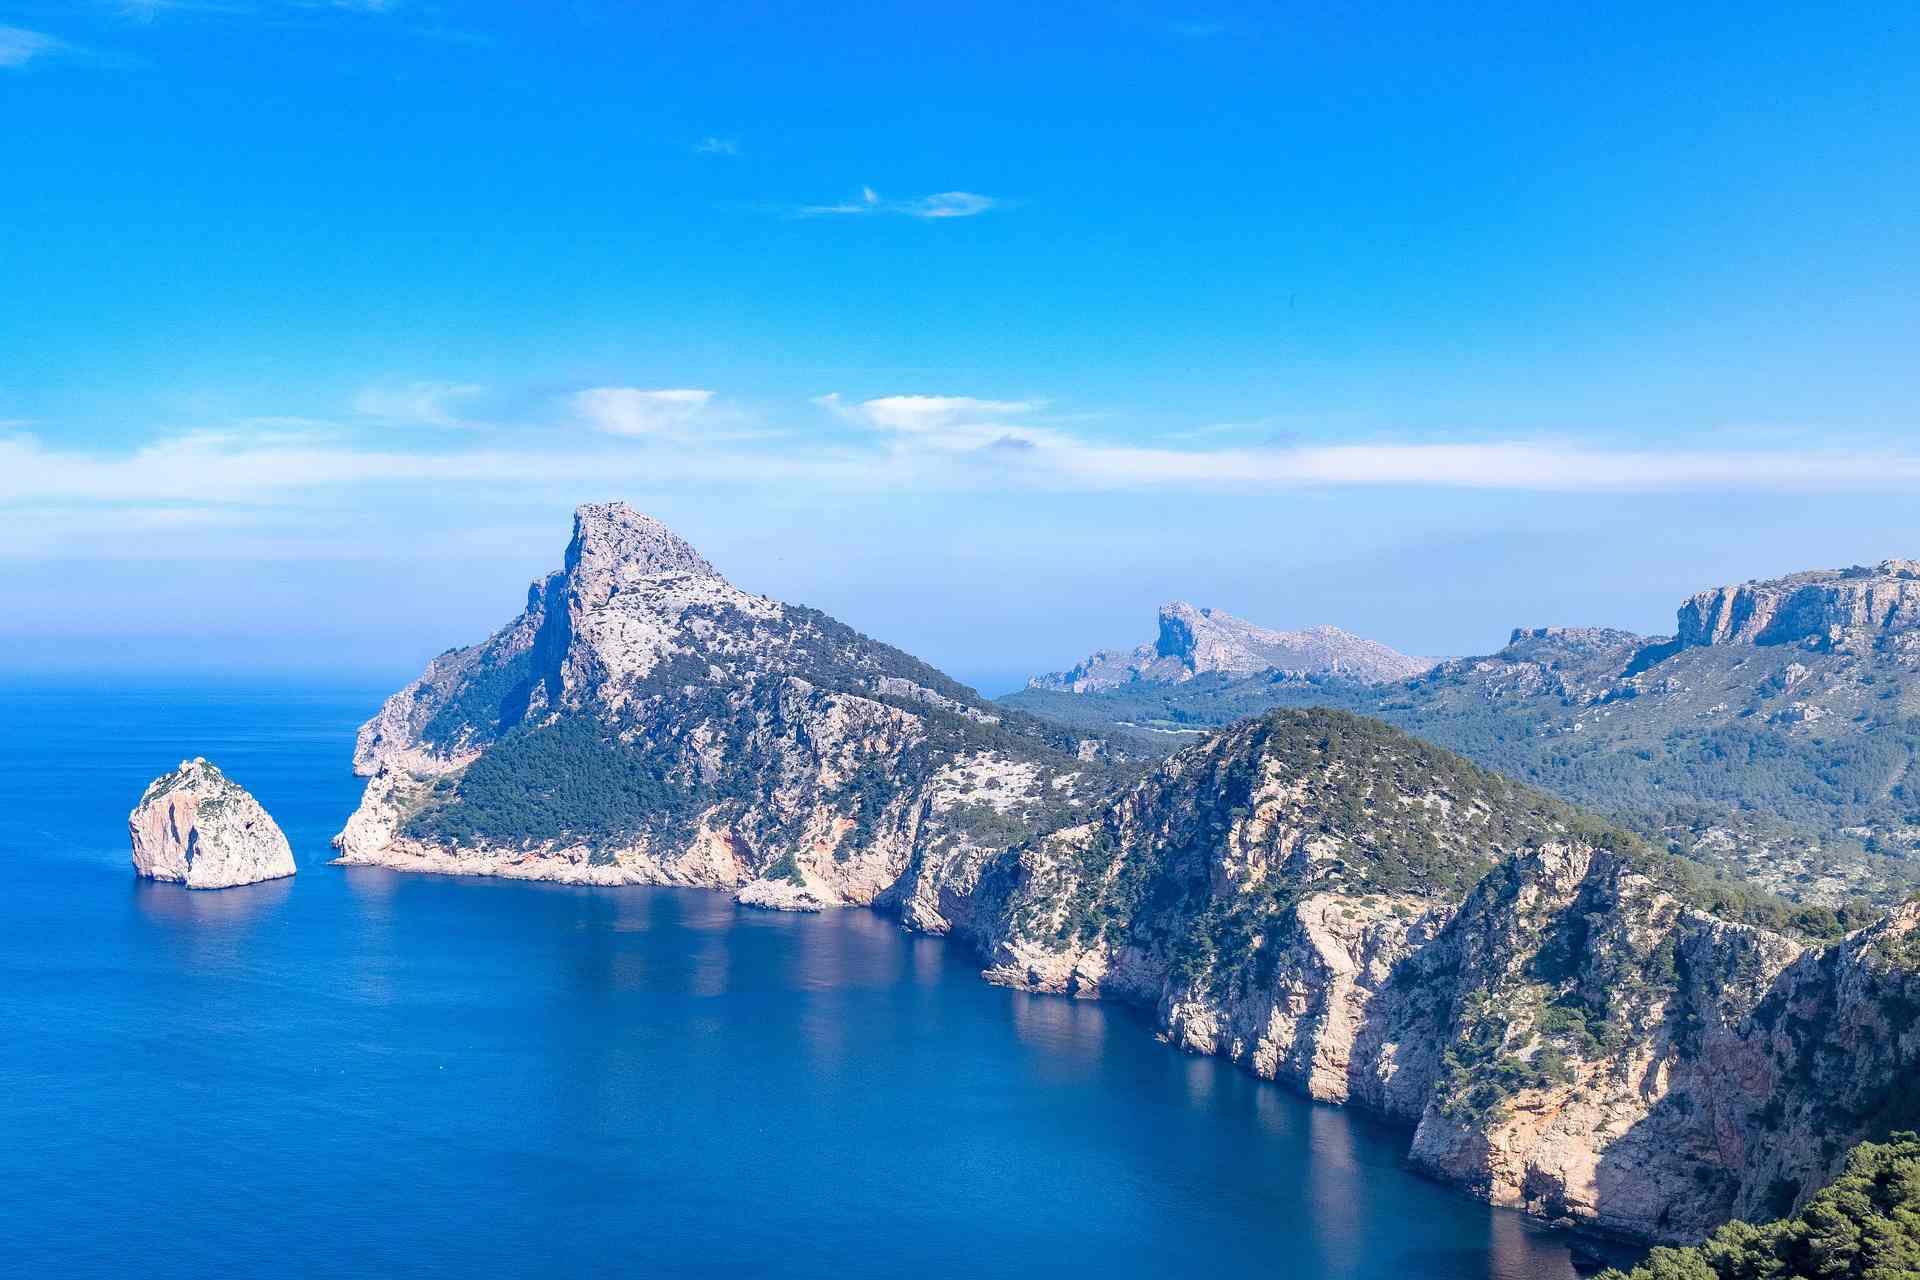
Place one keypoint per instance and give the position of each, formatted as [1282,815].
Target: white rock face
[1846,610]
[198,828]
[1194,641]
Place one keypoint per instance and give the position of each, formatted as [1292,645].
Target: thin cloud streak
[634,411]
[941,204]
[429,404]
[19,46]
[257,464]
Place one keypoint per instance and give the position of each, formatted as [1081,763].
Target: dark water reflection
[355,1073]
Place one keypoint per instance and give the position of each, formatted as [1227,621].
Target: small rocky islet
[197,827]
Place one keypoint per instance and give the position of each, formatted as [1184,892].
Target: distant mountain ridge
[1776,733]
[1193,641]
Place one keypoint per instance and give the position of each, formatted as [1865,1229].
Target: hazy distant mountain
[1194,641]
[1775,733]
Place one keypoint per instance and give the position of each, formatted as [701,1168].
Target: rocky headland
[644,721]
[197,827]
[1576,1023]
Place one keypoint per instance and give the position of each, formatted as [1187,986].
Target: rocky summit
[645,721]
[199,828]
[1193,642]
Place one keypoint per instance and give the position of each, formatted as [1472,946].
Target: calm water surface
[357,1073]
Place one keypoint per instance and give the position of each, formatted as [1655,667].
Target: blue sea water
[359,1073]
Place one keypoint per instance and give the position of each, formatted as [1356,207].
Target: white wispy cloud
[924,414]
[430,404]
[19,46]
[716,146]
[903,444]
[633,411]
[941,204]
[149,10]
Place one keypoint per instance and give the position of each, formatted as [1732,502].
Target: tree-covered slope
[1864,1226]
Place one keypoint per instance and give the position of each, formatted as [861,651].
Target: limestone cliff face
[1193,641]
[645,721]
[197,827]
[1342,908]
[1845,610]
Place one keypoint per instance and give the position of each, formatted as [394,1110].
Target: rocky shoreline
[1575,1025]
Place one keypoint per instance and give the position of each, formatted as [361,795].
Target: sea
[359,1073]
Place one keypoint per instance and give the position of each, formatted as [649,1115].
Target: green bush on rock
[1865,1226]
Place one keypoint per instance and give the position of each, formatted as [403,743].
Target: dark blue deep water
[356,1073]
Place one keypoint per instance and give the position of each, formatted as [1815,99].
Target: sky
[986,328]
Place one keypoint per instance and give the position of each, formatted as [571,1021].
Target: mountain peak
[614,545]
[1193,641]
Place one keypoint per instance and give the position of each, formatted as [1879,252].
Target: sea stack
[197,827]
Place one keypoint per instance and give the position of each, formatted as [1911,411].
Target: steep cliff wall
[1579,1027]
[1852,610]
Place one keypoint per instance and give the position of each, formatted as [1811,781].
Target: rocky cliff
[1846,610]
[645,721]
[199,828]
[1577,1025]
[1193,642]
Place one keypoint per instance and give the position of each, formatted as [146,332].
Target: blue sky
[986,328]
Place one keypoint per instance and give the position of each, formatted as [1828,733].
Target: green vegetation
[1660,770]
[1865,1226]
[595,776]
[566,780]
[1360,784]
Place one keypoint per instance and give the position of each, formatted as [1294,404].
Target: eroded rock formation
[196,826]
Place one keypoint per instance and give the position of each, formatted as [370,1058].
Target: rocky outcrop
[1842,610]
[1578,1026]
[1195,641]
[645,721]
[199,828]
